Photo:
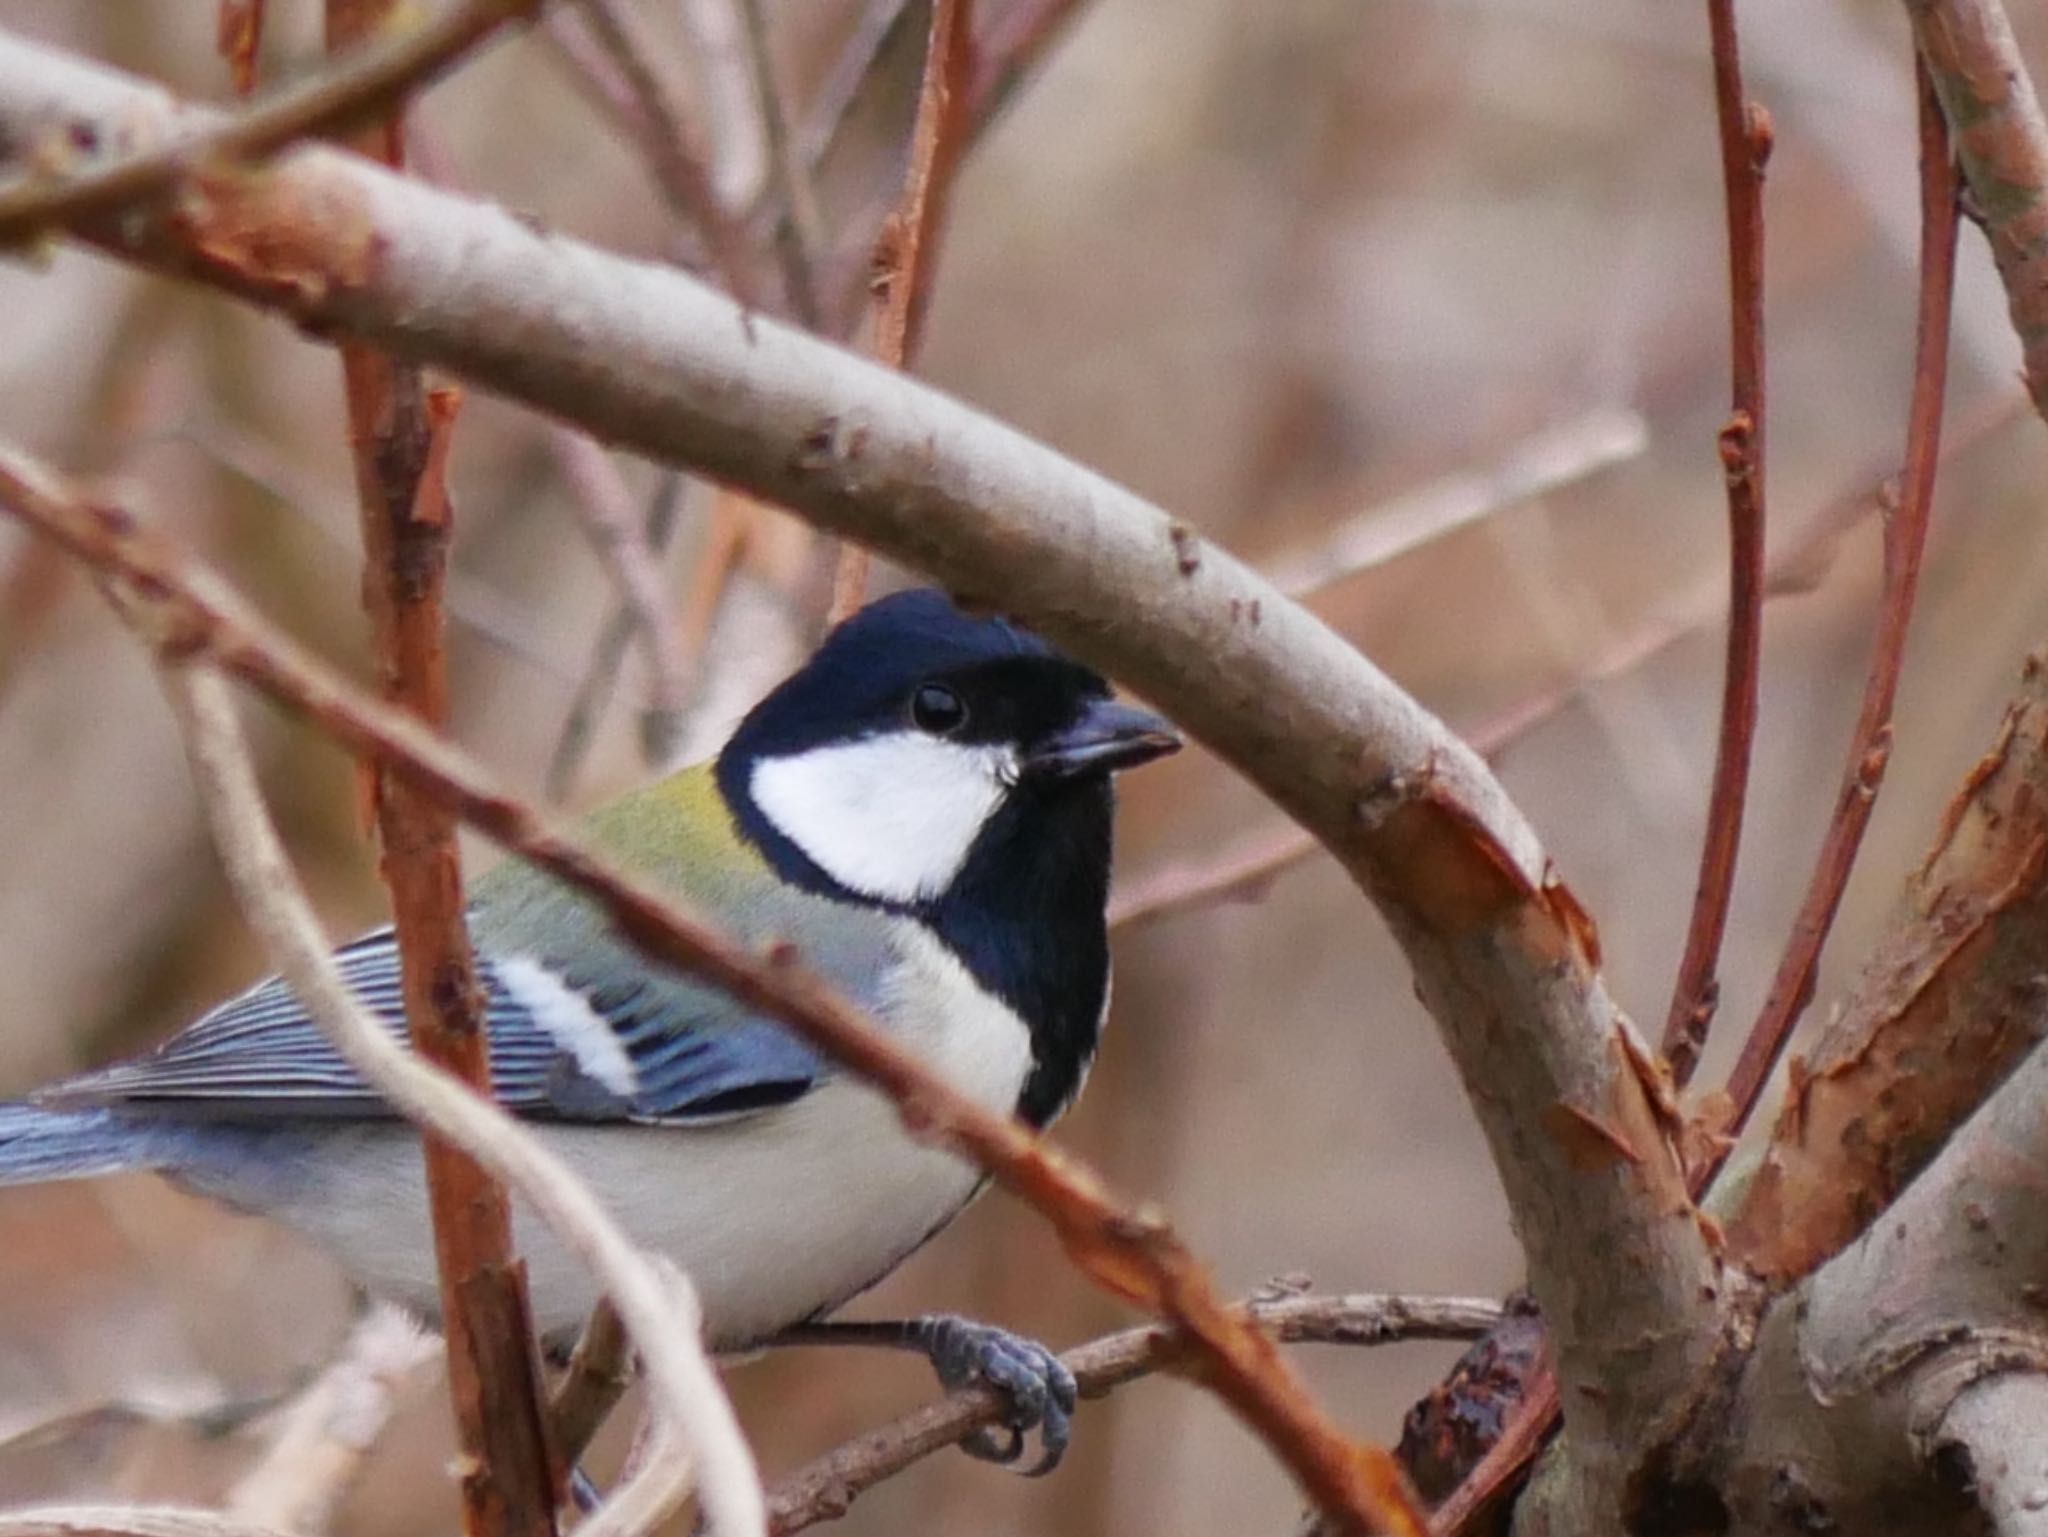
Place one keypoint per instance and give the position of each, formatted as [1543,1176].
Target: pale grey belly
[774,1217]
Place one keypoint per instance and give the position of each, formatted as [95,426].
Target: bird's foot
[1041,1391]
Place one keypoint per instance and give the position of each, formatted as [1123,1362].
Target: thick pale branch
[1504,958]
[1995,1440]
[2001,145]
[1132,1253]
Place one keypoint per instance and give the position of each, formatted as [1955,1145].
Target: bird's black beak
[1106,737]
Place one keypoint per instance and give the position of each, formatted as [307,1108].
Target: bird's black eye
[937,709]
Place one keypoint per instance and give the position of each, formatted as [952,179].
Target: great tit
[923,811]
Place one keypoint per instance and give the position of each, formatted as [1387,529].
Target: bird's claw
[1041,1391]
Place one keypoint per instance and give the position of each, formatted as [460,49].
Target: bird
[923,810]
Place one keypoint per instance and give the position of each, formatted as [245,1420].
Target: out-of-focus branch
[824,1489]
[330,1427]
[1745,130]
[128,1521]
[799,226]
[1540,464]
[1243,871]
[2001,142]
[663,714]
[1010,48]
[1132,1253]
[399,434]
[666,140]
[48,193]
[907,258]
[660,1309]
[1905,538]
[652,359]
[630,543]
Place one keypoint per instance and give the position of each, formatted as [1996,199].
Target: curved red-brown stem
[1745,130]
[399,433]
[1905,537]
[908,257]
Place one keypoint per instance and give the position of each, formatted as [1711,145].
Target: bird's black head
[956,769]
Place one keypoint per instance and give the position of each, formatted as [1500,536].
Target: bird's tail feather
[38,1144]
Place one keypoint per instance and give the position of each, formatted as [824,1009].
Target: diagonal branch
[1130,1252]
[1572,1109]
[2001,144]
[50,196]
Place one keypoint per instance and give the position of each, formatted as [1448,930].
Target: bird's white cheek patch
[566,1015]
[892,817]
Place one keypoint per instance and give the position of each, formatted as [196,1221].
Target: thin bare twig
[663,715]
[359,90]
[665,138]
[399,434]
[1745,130]
[825,1488]
[906,262]
[1905,537]
[799,226]
[1130,1252]
[1540,464]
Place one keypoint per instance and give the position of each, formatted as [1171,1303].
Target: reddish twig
[238,37]
[799,226]
[358,90]
[907,256]
[1128,1251]
[666,140]
[1905,537]
[1745,129]
[399,433]
[1014,44]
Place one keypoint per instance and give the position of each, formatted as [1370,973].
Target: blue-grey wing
[623,1044]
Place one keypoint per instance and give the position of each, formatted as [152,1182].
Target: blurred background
[1446,274]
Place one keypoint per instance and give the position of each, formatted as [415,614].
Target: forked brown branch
[361,89]
[907,260]
[399,434]
[1130,1252]
[1745,130]
[1905,537]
